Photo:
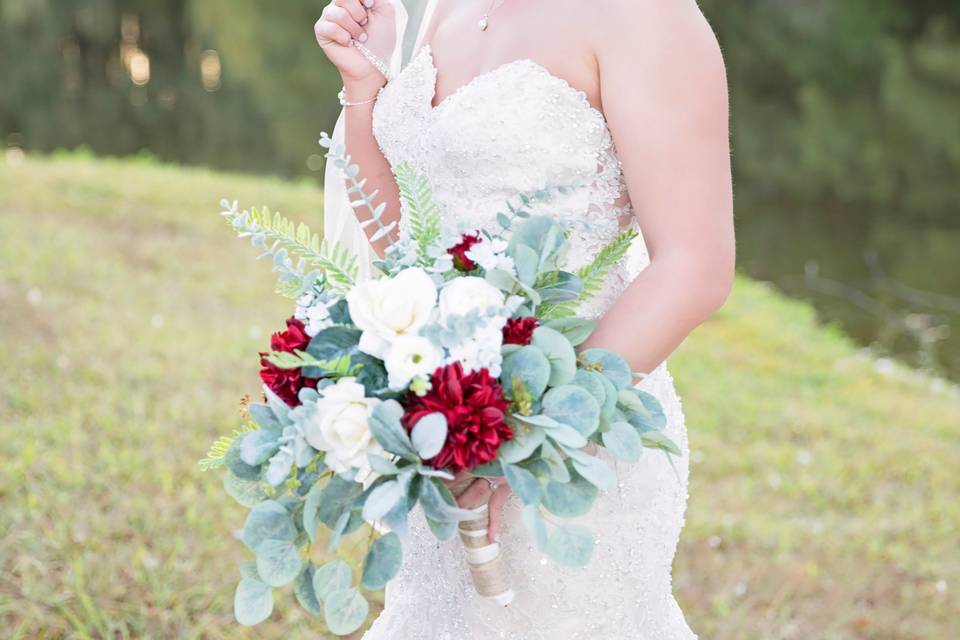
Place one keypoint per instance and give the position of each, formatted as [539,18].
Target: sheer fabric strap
[339,219]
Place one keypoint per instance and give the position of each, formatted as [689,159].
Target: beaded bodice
[514,130]
[511,131]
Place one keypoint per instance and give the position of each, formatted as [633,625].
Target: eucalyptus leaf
[345,611]
[383,562]
[530,366]
[526,439]
[252,602]
[558,467]
[249,493]
[570,499]
[570,545]
[562,287]
[268,521]
[649,416]
[593,469]
[535,525]
[623,441]
[528,264]
[331,577]
[304,592]
[576,330]
[611,365]
[573,406]
[278,562]
[560,353]
[338,530]
[336,498]
[657,440]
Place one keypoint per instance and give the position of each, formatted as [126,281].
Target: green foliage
[276,234]
[422,211]
[592,275]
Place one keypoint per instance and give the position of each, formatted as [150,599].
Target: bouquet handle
[484,559]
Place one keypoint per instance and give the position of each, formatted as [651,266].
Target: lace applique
[515,130]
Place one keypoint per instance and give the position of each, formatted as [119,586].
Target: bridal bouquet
[382,396]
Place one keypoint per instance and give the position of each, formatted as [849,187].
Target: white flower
[411,357]
[481,351]
[489,254]
[467,295]
[340,426]
[313,313]
[388,308]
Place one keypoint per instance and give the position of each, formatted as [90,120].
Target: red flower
[459,252]
[520,330]
[286,383]
[475,410]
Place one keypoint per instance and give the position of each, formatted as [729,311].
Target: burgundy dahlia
[459,252]
[520,330]
[475,409]
[286,383]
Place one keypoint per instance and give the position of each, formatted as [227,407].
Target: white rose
[391,307]
[341,427]
[463,296]
[411,357]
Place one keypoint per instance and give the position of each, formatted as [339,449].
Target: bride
[503,97]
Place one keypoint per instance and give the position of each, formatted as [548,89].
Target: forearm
[659,309]
[365,152]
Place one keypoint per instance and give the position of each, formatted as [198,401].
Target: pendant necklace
[485,20]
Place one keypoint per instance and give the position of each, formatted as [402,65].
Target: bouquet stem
[484,559]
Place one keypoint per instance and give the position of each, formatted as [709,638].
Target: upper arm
[664,93]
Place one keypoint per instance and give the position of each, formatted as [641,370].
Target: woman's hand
[481,491]
[370,22]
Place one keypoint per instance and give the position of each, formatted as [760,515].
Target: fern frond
[423,212]
[281,238]
[592,275]
[218,450]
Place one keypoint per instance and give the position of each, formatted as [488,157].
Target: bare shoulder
[652,31]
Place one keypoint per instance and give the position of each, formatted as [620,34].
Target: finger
[355,8]
[342,17]
[331,33]
[475,495]
[497,502]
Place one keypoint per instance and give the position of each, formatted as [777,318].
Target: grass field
[825,495]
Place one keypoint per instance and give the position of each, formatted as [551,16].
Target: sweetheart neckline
[486,75]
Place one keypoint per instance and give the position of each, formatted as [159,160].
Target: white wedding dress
[510,131]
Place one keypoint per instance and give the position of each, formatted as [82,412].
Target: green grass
[825,500]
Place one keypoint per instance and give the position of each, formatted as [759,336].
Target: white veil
[339,219]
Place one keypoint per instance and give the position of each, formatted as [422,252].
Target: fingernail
[363,37]
[368,3]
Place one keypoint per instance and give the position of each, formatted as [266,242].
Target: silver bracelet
[342,96]
[380,65]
